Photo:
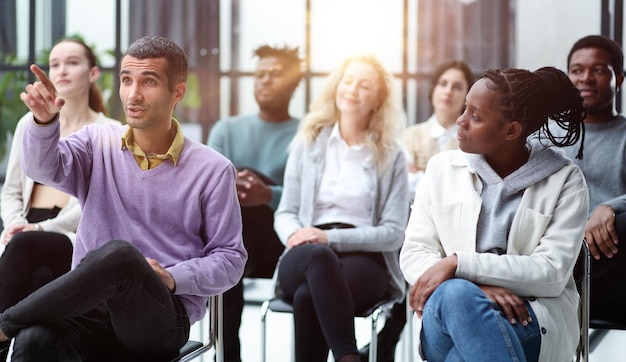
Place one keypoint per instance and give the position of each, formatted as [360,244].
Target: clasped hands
[307,235]
[511,305]
[251,190]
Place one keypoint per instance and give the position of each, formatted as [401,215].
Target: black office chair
[600,327]
[213,339]
[280,305]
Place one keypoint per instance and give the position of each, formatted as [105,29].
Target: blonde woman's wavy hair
[386,122]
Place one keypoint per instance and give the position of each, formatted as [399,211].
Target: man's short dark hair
[604,43]
[160,47]
[285,53]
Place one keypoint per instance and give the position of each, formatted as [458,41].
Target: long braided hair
[534,98]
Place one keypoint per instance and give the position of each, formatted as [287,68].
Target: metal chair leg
[215,333]
[264,308]
[374,338]
[583,353]
[219,344]
[408,329]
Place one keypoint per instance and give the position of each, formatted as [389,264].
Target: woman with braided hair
[496,226]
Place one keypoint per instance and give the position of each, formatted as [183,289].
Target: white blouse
[344,194]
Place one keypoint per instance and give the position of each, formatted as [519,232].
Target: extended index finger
[41,75]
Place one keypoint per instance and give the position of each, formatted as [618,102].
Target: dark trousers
[112,306]
[31,260]
[608,280]
[327,288]
[264,248]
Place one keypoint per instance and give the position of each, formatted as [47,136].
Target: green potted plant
[12,83]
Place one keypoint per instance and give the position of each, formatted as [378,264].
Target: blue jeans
[460,323]
[112,306]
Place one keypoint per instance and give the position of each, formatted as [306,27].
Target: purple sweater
[187,216]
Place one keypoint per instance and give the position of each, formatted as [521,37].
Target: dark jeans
[608,280]
[327,288]
[30,260]
[259,238]
[264,248]
[112,306]
[233,308]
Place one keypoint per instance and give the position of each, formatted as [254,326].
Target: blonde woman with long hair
[343,210]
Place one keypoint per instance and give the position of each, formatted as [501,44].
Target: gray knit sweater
[604,163]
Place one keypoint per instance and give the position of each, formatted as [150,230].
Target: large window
[409,36]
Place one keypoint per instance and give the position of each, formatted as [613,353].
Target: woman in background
[449,85]
[40,222]
[343,210]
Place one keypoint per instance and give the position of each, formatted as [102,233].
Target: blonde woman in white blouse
[343,210]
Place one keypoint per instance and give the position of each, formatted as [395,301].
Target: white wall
[94,20]
[546,30]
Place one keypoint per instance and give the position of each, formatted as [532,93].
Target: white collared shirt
[346,187]
[441,134]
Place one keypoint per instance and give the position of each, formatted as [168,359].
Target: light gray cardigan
[303,174]
[17,190]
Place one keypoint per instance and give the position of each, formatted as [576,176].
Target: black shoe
[4,350]
[364,353]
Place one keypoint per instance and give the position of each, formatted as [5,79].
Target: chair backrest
[600,326]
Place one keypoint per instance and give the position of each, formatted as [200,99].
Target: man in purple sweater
[160,229]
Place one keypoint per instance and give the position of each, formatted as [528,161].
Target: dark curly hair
[532,98]
[285,53]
